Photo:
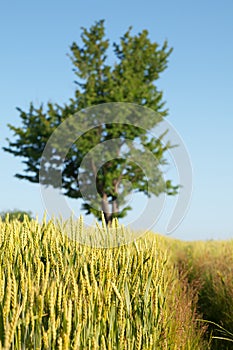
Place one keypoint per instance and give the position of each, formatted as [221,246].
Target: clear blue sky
[198,88]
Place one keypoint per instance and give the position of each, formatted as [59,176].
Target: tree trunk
[105,209]
[108,216]
[115,207]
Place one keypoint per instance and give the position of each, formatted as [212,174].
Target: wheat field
[56,293]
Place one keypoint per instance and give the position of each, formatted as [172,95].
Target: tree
[132,78]
[15,214]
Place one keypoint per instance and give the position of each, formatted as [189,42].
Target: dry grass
[208,267]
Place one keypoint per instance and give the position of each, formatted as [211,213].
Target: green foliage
[15,214]
[132,78]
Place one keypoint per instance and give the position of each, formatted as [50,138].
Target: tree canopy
[131,78]
[15,214]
